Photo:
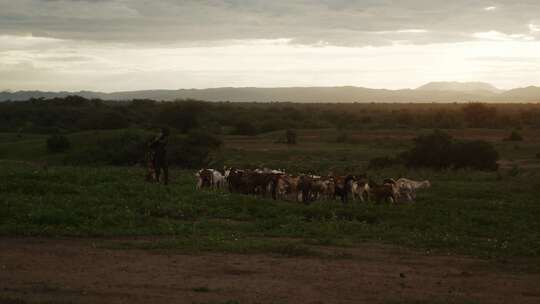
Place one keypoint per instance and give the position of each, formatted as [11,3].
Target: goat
[385,192]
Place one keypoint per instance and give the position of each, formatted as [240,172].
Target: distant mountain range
[431,92]
[481,88]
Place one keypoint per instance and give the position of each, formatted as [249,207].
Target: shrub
[439,151]
[514,136]
[433,150]
[57,143]
[195,150]
[126,148]
[203,138]
[476,154]
[130,147]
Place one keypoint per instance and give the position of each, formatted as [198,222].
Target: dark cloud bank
[337,22]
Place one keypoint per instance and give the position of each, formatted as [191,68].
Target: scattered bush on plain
[439,150]
[196,150]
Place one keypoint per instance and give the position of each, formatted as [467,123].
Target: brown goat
[385,192]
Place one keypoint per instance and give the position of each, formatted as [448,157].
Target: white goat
[408,187]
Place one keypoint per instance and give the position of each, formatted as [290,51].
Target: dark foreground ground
[44,270]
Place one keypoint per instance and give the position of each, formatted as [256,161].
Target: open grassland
[464,212]
[317,151]
[478,213]
[87,234]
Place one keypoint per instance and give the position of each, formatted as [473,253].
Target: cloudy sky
[114,45]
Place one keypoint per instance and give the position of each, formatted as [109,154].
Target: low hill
[528,94]
[431,92]
[481,88]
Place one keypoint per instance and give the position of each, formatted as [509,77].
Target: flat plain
[85,234]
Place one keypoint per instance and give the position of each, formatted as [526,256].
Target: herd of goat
[308,188]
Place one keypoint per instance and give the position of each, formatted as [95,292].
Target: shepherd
[158,156]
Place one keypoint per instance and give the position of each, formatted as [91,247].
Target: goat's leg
[361,195]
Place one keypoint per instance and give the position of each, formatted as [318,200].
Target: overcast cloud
[141,44]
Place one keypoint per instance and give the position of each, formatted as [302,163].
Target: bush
[433,151]
[476,154]
[202,138]
[514,136]
[439,151]
[130,147]
[57,143]
[196,150]
[126,148]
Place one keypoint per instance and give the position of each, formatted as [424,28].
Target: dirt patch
[73,270]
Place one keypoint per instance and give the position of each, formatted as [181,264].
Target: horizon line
[274,87]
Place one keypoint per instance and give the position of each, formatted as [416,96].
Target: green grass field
[464,212]
[317,150]
[477,213]
[490,215]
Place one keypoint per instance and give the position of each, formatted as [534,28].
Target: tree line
[75,113]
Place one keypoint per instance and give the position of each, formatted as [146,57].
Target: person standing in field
[158,148]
